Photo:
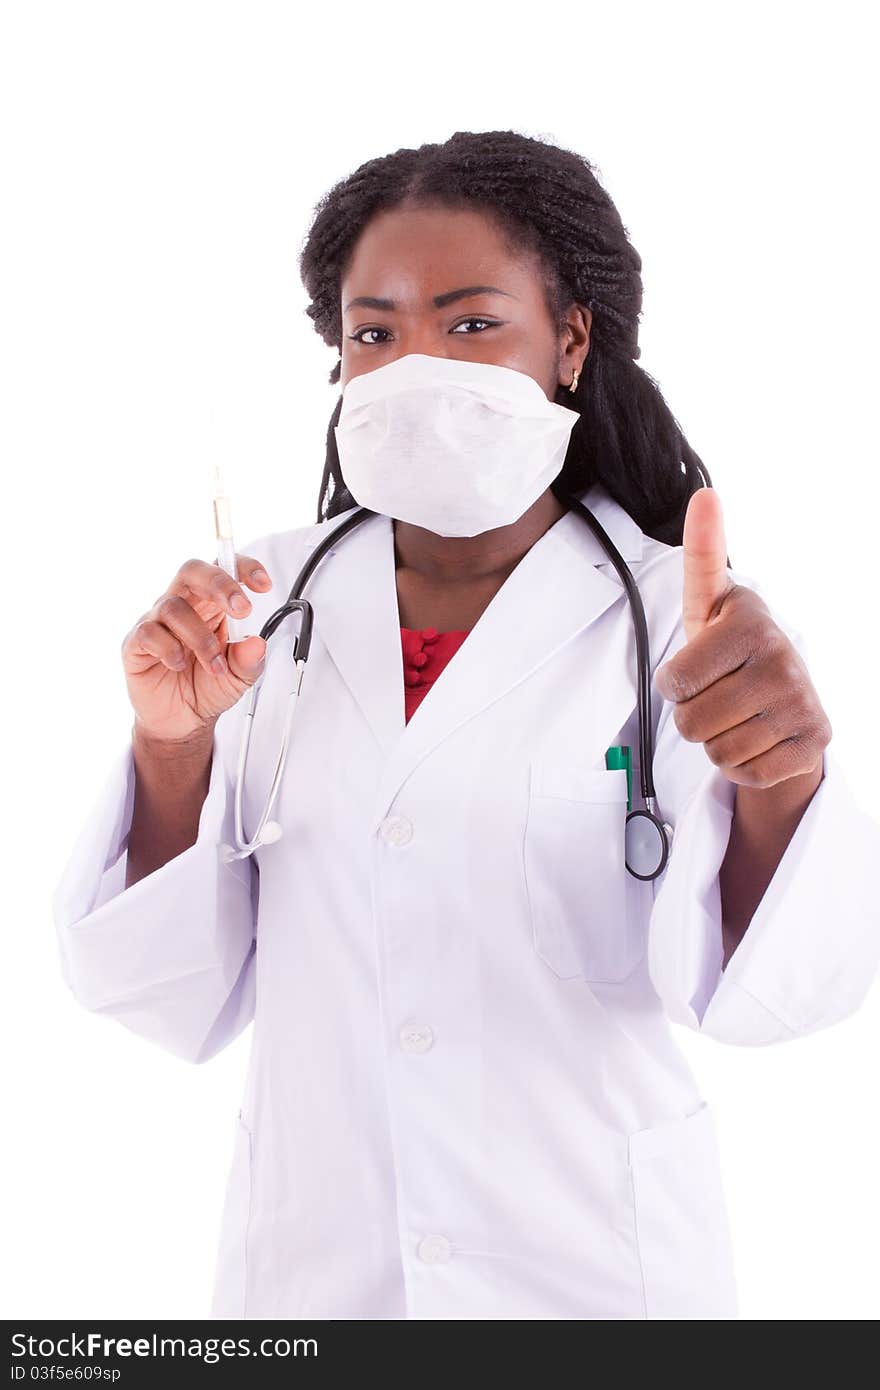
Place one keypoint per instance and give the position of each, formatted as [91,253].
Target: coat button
[420,659]
[434,1249]
[429,634]
[396,830]
[416,1037]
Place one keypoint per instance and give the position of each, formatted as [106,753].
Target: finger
[789,758]
[245,657]
[728,703]
[744,741]
[248,570]
[252,573]
[151,639]
[704,559]
[174,613]
[212,584]
[720,649]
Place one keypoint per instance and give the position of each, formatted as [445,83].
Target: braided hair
[547,200]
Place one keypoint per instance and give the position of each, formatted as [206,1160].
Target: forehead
[407,252]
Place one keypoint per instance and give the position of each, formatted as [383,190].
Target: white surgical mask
[456,447]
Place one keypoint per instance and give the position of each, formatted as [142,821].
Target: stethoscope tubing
[643,655]
[268,831]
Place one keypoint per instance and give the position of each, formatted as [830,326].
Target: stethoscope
[647,837]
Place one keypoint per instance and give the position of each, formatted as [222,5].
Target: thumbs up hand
[739,684]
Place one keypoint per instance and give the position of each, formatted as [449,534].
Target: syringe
[226,548]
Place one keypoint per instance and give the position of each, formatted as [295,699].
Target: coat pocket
[231,1276]
[682,1227]
[589,915]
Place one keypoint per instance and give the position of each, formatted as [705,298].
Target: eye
[489,322]
[359,337]
[356,337]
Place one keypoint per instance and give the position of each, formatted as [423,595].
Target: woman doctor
[464,1099]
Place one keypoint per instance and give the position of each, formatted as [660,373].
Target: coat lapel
[561,585]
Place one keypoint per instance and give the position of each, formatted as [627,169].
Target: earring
[574,381]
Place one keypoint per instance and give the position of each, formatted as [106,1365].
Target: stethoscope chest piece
[647,840]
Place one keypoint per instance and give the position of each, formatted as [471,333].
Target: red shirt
[425,653]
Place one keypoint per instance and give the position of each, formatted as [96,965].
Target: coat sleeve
[811,950]
[172,957]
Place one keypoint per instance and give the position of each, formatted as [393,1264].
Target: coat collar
[561,586]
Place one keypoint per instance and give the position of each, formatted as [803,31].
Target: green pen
[619,755]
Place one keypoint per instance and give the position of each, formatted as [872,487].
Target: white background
[160,163]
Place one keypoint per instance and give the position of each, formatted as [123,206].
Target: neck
[464,559]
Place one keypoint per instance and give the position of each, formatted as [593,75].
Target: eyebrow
[368,301]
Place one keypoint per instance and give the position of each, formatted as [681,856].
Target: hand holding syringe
[185,663]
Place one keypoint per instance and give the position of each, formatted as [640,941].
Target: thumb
[705,561]
[245,658]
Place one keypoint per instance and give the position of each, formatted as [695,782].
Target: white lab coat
[464,1098]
